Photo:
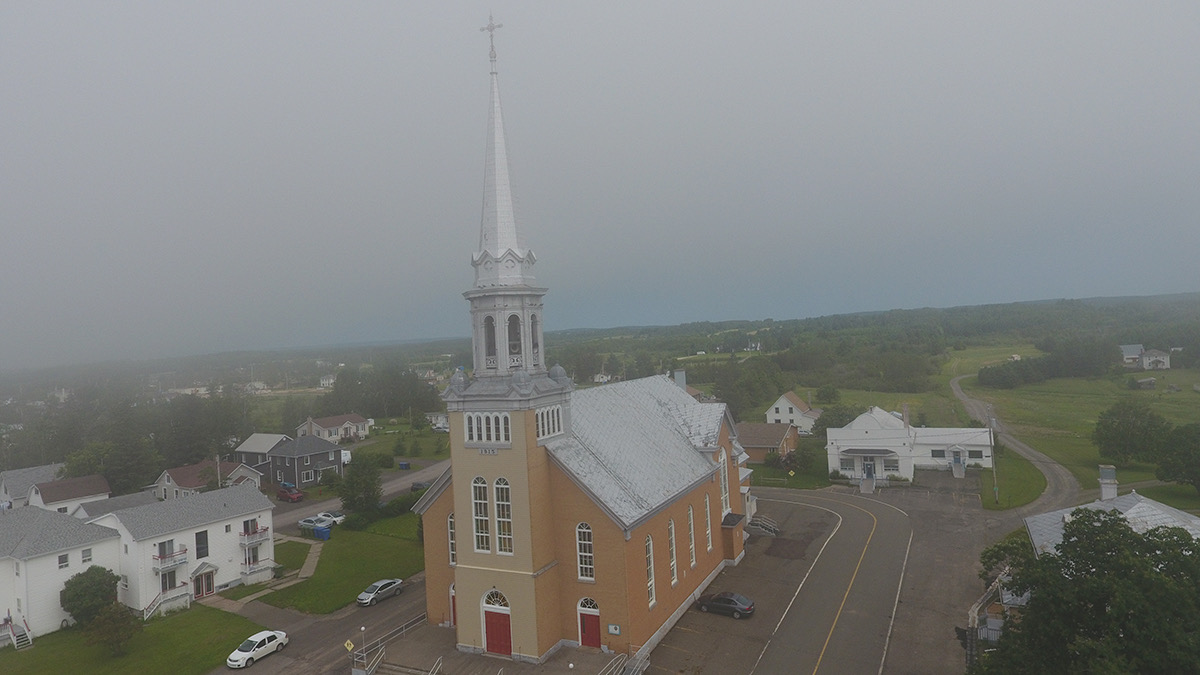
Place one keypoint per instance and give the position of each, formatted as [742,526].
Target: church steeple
[502,259]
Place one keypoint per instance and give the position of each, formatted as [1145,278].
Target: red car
[289,495]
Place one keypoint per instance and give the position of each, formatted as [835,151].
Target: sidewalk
[418,651]
[306,572]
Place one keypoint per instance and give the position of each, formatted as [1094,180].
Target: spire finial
[491,31]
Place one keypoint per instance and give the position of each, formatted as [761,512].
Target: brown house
[762,438]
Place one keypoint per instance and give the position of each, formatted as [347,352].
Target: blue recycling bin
[404,465]
[321,533]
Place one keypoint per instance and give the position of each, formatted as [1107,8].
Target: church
[568,519]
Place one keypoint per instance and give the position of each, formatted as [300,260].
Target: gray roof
[261,444]
[1142,513]
[636,445]
[18,481]
[29,532]
[103,506]
[173,515]
[303,446]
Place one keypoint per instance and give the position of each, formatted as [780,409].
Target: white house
[15,483]
[181,549]
[184,481]
[1155,359]
[65,494]
[334,429]
[793,410]
[881,444]
[39,551]
[327,381]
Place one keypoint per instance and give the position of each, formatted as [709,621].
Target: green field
[351,561]
[291,554]
[193,641]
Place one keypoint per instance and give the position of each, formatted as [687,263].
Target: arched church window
[489,336]
[504,525]
[514,334]
[589,603]
[534,333]
[585,553]
[481,519]
[495,598]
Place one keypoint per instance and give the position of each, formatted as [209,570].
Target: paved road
[1062,490]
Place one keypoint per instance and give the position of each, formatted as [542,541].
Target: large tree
[1130,430]
[361,489]
[84,595]
[1106,600]
[114,625]
[1179,460]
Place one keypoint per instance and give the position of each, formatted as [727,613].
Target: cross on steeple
[491,31]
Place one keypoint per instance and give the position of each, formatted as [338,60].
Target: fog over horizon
[195,178]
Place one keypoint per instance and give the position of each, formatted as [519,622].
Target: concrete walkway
[306,572]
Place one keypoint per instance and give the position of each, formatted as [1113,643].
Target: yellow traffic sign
[349,646]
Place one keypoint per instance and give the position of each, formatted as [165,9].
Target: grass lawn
[817,477]
[195,641]
[241,591]
[1180,496]
[291,554]
[1018,479]
[351,561]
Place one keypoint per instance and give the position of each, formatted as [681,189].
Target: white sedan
[315,521]
[257,646]
[336,516]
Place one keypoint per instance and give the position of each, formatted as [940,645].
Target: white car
[257,646]
[315,521]
[336,516]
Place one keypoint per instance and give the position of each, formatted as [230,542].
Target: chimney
[681,379]
[1108,482]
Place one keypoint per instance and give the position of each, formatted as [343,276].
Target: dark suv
[289,495]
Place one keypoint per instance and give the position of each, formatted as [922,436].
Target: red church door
[589,630]
[499,633]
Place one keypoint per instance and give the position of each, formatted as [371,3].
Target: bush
[773,460]
[836,475]
[357,521]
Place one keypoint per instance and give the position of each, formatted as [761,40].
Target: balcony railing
[257,566]
[256,537]
[170,561]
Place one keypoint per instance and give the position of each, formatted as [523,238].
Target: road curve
[1062,490]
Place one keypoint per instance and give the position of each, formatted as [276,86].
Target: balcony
[163,563]
[256,537]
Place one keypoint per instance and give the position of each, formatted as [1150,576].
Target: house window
[708,523]
[450,536]
[307,460]
[228,529]
[62,509]
[479,503]
[846,465]
[791,411]
[975,454]
[776,410]
[331,455]
[306,476]
[287,461]
[63,562]
[278,476]
[202,544]
[251,558]
[17,567]
[585,553]
[504,526]
[87,555]
[650,570]
[891,464]
[938,454]
[691,536]
[723,467]
[671,551]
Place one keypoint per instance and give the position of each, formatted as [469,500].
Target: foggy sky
[196,177]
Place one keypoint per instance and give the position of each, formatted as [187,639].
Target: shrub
[357,521]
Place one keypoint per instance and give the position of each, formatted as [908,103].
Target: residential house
[1155,359]
[178,550]
[760,439]
[15,483]
[39,551]
[64,494]
[90,510]
[337,428]
[183,481]
[791,409]
[327,381]
[299,461]
[882,444]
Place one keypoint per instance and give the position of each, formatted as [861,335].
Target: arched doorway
[497,623]
[589,623]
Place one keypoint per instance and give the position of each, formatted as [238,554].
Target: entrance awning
[204,568]
[868,452]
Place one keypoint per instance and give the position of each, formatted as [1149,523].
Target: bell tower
[500,418]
